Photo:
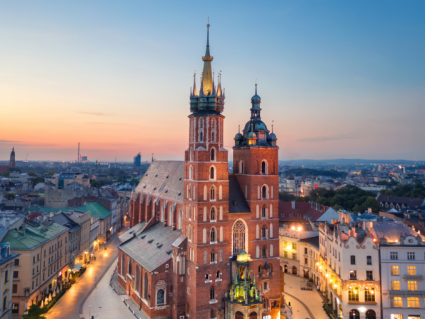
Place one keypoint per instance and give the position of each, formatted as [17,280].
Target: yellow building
[42,264]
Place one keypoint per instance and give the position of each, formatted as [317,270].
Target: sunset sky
[340,79]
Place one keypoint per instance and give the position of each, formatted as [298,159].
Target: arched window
[212,154]
[239,233]
[354,314]
[212,193]
[218,274]
[264,211]
[137,279]
[201,123]
[170,219]
[190,233]
[201,137]
[212,293]
[213,235]
[264,168]
[213,256]
[241,167]
[212,123]
[190,172]
[213,213]
[370,314]
[212,313]
[212,136]
[264,192]
[160,300]
[129,267]
[264,252]
[212,172]
[205,257]
[221,255]
[146,287]
[264,232]
[260,269]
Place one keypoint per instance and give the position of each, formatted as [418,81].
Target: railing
[413,277]
[407,293]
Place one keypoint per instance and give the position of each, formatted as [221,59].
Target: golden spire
[207,81]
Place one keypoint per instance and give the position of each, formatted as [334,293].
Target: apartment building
[82,219]
[349,270]
[402,253]
[7,262]
[42,263]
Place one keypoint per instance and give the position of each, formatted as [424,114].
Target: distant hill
[343,161]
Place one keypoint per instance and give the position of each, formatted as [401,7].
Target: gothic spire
[195,92]
[207,81]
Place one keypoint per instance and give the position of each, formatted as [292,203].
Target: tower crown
[210,97]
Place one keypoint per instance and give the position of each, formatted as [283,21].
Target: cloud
[93,113]
[328,138]
[6,141]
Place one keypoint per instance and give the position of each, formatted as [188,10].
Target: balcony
[413,277]
[406,293]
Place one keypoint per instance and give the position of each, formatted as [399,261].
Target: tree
[31,173]
[95,183]
[34,312]
[337,207]
[134,181]
[286,197]
[37,180]
[10,196]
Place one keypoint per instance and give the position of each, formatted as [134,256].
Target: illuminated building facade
[215,235]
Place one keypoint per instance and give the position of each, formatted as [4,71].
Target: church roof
[163,179]
[155,243]
[237,201]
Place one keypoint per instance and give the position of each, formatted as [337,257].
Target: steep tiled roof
[313,241]
[412,202]
[301,208]
[237,201]
[163,179]
[152,247]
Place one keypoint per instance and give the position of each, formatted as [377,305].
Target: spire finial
[272,125]
[255,86]
[239,128]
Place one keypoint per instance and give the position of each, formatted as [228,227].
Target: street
[71,304]
[305,303]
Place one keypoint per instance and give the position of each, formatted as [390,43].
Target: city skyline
[337,80]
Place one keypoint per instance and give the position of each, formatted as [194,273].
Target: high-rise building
[137,160]
[205,243]
[12,158]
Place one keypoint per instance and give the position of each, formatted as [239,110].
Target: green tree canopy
[10,196]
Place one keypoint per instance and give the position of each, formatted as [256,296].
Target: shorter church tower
[12,158]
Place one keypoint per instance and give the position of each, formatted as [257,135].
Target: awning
[77,267]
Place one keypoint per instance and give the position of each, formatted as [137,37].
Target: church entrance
[239,315]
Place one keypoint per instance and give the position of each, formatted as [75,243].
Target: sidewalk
[70,305]
[305,304]
[104,303]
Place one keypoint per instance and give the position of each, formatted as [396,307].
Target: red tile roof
[287,214]
[34,215]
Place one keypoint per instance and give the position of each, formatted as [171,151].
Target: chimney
[293,204]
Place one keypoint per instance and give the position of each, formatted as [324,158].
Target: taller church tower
[206,199]
[12,158]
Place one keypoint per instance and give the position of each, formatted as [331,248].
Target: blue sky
[340,79]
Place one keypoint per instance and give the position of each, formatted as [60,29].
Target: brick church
[204,243]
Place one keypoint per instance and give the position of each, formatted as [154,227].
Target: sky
[340,79]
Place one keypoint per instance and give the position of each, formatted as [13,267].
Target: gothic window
[212,193]
[213,235]
[137,279]
[264,192]
[264,168]
[264,231]
[212,123]
[212,293]
[190,233]
[241,167]
[129,267]
[205,257]
[213,154]
[213,213]
[191,172]
[221,255]
[160,297]
[264,211]
[239,233]
[264,250]
[213,256]
[212,172]
[212,137]
[212,313]
[202,124]
[146,285]
[201,137]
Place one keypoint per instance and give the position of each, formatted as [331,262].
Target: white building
[402,253]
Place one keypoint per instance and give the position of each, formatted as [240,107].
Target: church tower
[255,166]
[12,158]
[206,198]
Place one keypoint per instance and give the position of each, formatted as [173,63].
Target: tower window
[212,154]
[213,256]
[212,173]
[264,252]
[212,123]
[212,293]
[201,137]
[212,193]
[212,137]
[264,211]
[264,192]
[264,168]
[213,235]
[213,213]
[264,232]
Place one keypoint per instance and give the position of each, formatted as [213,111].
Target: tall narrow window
[264,211]
[213,213]
[212,137]
[213,235]
[239,233]
[264,192]
[212,193]
[160,297]
[264,232]
[212,173]
[264,168]
[201,137]
[212,154]
[212,293]
[264,252]
[146,287]
[213,256]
